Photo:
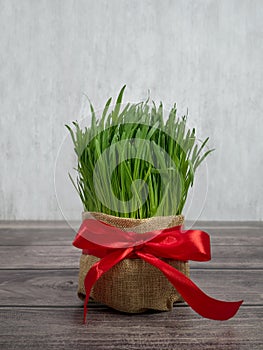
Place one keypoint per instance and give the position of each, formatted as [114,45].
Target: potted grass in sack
[134,171]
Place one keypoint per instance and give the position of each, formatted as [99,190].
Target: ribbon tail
[98,269]
[200,302]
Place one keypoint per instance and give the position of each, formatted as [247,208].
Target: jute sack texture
[133,285]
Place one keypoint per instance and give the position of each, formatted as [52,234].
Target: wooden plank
[232,237]
[32,293]
[33,236]
[15,257]
[64,236]
[29,328]
[59,287]
[39,287]
[46,257]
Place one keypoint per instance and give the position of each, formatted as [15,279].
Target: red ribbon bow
[112,245]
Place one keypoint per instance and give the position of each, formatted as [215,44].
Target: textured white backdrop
[204,54]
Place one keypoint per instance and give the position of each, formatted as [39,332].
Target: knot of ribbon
[113,245]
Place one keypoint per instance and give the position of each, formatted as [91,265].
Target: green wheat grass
[147,162]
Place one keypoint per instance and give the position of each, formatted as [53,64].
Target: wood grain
[16,257]
[39,308]
[58,287]
[182,329]
[64,236]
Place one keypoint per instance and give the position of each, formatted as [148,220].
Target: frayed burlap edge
[133,285]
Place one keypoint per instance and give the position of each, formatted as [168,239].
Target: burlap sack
[133,285]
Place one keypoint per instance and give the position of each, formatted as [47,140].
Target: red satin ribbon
[112,245]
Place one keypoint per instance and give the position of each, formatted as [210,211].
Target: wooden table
[39,308]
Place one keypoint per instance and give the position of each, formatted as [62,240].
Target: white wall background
[204,54]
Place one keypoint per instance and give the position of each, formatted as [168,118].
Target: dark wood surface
[39,308]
